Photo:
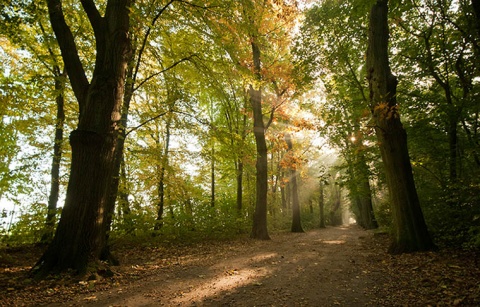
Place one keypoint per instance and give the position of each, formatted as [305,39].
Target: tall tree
[410,230]
[81,232]
[321,202]
[296,220]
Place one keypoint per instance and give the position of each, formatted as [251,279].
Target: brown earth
[336,266]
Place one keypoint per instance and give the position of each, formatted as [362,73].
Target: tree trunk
[453,146]
[212,176]
[410,231]
[365,194]
[259,228]
[240,163]
[239,186]
[119,161]
[283,197]
[336,211]
[81,233]
[57,156]
[321,205]
[296,220]
[161,180]
[476,11]
[123,201]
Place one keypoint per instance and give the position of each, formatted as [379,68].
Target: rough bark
[118,163]
[81,236]
[365,194]
[410,231]
[296,220]
[259,228]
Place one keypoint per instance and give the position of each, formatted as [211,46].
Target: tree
[255,43]
[410,230]
[321,202]
[296,222]
[81,232]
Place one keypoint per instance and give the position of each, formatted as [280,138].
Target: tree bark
[239,185]
[123,202]
[321,205]
[57,156]
[161,180]
[365,193]
[296,219]
[410,231]
[336,211]
[81,233]
[212,176]
[259,228]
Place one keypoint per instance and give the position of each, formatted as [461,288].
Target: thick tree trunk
[336,211]
[57,156]
[410,231]
[81,233]
[476,11]
[259,228]
[296,220]
[118,164]
[365,194]
[368,216]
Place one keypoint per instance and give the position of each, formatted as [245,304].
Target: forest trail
[335,266]
[325,267]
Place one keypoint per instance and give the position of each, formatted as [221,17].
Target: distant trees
[336,60]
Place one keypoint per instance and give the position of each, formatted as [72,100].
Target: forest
[163,124]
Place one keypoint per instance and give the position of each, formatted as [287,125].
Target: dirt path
[326,267]
[336,266]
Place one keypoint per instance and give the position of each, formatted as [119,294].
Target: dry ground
[336,266]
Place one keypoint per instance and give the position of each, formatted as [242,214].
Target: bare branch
[145,40]
[146,122]
[163,71]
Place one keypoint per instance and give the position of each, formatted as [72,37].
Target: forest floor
[336,266]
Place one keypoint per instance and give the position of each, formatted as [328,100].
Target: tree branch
[93,15]
[146,122]
[144,43]
[65,40]
[163,71]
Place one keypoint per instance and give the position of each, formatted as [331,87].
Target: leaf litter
[291,269]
